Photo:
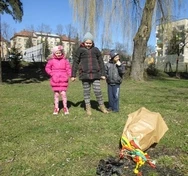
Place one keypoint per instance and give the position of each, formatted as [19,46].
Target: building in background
[4,48]
[172,46]
[20,39]
[176,32]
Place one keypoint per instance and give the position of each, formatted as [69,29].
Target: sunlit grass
[34,142]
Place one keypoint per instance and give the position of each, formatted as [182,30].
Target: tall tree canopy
[12,7]
[131,19]
[15,9]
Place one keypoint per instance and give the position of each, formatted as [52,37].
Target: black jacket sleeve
[101,63]
[76,61]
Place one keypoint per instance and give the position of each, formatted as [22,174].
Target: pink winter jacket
[59,70]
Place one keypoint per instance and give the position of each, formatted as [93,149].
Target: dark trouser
[113,97]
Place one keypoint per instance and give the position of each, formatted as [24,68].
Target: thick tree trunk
[140,41]
[0,71]
[0,53]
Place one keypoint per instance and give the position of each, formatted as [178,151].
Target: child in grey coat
[114,74]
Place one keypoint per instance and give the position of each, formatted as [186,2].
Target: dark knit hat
[113,54]
[88,36]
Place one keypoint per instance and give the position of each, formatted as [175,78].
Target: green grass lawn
[36,143]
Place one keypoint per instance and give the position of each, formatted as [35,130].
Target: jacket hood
[83,45]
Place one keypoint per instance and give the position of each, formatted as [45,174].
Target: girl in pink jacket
[59,69]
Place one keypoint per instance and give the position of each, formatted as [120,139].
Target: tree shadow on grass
[25,76]
[33,73]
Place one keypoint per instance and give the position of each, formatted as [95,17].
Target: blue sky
[37,12]
[53,13]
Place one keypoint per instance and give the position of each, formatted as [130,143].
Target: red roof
[65,38]
[24,33]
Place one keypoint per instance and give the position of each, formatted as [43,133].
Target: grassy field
[34,142]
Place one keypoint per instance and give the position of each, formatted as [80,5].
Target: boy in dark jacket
[114,72]
[89,61]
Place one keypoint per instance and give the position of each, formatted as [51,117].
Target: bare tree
[6,33]
[30,28]
[119,47]
[43,28]
[44,31]
[71,32]
[132,20]
[59,29]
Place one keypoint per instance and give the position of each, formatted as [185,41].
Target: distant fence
[33,54]
[169,63]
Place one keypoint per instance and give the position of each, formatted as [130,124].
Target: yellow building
[4,44]
[19,40]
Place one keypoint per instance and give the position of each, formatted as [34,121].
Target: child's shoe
[103,109]
[109,109]
[88,109]
[66,111]
[56,111]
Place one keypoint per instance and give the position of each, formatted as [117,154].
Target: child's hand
[118,63]
[103,77]
[73,79]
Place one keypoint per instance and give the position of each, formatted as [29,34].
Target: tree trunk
[0,54]
[140,41]
[0,70]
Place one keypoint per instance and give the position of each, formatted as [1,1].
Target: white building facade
[20,39]
[164,35]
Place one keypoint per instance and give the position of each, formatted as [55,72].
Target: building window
[182,27]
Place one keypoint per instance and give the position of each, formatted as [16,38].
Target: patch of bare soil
[114,166]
